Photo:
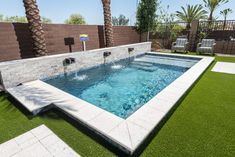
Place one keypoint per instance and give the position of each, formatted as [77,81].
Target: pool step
[165,61]
[148,69]
[142,63]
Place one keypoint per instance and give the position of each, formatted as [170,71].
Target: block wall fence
[16,43]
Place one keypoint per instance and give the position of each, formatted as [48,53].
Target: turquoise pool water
[123,87]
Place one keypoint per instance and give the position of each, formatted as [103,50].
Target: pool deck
[39,141]
[224,67]
[127,134]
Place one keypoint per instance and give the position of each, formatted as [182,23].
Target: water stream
[114,65]
[77,76]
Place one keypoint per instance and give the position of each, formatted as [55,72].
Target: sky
[91,10]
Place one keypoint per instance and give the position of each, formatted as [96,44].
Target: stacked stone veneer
[19,71]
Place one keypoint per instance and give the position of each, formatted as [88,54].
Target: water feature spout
[106,54]
[68,61]
[114,66]
[130,49]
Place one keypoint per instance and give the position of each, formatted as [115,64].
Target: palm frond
[191,12]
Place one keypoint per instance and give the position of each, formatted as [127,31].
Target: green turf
[13,123]
[202,125]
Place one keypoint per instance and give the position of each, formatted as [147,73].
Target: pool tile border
[127,134]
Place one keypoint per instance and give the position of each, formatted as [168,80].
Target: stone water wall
[19,71]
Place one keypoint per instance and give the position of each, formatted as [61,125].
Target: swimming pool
[125,86]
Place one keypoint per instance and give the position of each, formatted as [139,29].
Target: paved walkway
[224,67]
[38,142]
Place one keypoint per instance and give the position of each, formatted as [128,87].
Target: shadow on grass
[88,131]
[51,114]
[6,104]
[13,105]
[204,54]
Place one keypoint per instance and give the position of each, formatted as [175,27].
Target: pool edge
[128,134]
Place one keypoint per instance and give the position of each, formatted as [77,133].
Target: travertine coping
[40,141]
[224,67]
[127,134]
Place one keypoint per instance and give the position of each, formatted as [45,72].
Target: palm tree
[190,13]
[108,23]
[225,13]
[212,5]
[35,27]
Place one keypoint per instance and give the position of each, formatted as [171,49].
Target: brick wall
[15,40]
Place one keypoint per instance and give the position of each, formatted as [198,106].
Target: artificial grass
[13,123]
[202,125]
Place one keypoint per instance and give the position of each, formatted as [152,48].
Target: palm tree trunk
[225,19]
[210,17]
[35,27]
[188,26]
[108,23]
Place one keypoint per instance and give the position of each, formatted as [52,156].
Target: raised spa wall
[16,72]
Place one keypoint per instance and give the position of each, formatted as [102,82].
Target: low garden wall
[19,71]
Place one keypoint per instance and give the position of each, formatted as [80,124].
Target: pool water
[123,87]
